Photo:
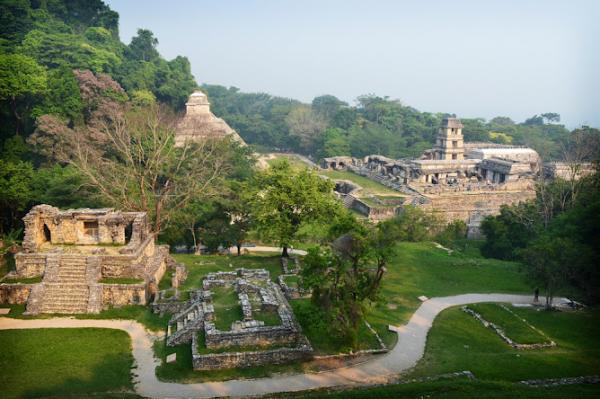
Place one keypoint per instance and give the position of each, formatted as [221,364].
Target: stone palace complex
[454,179]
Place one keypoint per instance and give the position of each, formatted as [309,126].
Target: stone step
[60,310]
[80,277]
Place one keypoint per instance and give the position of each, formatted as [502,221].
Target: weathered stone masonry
[74,250]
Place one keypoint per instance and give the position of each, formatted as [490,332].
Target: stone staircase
[184,324]
[66,288]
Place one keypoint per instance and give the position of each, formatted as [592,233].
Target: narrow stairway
[68,290]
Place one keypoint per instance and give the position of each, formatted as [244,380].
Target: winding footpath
[407,352]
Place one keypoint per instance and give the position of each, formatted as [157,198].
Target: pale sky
[473,58]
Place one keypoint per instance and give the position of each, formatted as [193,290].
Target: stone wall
[30,265]
[15,293]
[247,359]
[372,212]
[123,294]
[473,207]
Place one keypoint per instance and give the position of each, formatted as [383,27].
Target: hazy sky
[473,58]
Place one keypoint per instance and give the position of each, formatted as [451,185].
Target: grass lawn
[422,269]
[459,342]
[60,362]
[200,265]
[514,327]
[227,307]
[460,388]
[369,186]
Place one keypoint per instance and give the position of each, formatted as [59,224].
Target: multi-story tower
[449,142]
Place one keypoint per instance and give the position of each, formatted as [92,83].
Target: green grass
[122,280]
[422,269]
[458,341]
[227,307]
[61,362]
[270,317]
[24,280]
[369,186]
[200,265]
[139,313]
[514,327]
[459,388]
[292,280]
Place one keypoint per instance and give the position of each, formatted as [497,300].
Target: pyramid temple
[199,123]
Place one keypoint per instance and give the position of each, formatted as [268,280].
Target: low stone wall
[373,212]
[14,294]
[30,265]
[123,294]
[276,335]
[247,359]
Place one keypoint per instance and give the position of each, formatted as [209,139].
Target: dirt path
[407,352]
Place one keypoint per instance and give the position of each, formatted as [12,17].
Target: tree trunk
[239,249]
[284,253]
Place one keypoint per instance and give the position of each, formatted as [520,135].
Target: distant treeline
[375,125]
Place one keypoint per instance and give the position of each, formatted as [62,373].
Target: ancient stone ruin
[199,123]
[454,179]
[81,255]
[248,341]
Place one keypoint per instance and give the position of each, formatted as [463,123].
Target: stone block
[172,358]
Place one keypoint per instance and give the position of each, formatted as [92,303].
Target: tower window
[455,144]
[454,156]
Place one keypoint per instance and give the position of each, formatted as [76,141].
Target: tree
[305,125]
[143,46]
[286,198]
[547,262]
[327,106]
[20,76]
[415,224]
[15,191]
[131,159]
[347,275]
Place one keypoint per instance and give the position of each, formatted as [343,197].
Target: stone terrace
[249,342]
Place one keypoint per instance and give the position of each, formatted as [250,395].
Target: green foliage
[345,279]
[556,236]
[20,75]
[414,224]
[286,199]
[510,231]
[143,98]
[15,189]
[454,233]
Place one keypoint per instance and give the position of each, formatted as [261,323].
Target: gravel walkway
[406,354]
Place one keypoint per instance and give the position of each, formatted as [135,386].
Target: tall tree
[20,76]
[131,159]
[287,198]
